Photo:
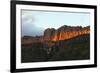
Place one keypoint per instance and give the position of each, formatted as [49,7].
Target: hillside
[71,43]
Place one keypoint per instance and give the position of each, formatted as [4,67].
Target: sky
[33,23]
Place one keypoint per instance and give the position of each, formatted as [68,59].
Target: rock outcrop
[65,32]
[49,34]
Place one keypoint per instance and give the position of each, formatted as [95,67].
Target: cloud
[29,27]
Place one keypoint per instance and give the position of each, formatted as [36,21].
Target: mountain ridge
[62,33]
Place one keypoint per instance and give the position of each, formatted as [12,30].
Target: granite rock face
[49,34]
[64,32]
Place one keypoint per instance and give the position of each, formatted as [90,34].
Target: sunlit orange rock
[65,32]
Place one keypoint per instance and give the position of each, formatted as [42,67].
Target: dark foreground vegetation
[77,48]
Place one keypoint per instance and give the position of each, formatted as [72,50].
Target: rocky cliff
[65,32]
